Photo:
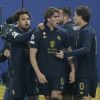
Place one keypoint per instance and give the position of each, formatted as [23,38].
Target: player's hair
[84,11]
[20,12]
[50,12]
[66,10]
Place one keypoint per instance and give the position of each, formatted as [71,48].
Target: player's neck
[67,20]
[23,30]
[83,23]
[51,28]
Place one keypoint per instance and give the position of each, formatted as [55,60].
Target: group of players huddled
[56,59]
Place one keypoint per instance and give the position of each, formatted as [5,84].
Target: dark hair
[84,12]
[50,12]
[20,12]
[66,10]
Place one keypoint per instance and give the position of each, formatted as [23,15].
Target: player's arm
[69,59]
[34,42]
[18,37]
[72,65]
[2,57]
[41,77]
[5,53]
[86,45]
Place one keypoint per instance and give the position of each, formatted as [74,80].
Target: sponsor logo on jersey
[52,43]
[14,34]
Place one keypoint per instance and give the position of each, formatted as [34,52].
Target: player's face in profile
[24,21]
[61,17]
[54,20]
[77,19]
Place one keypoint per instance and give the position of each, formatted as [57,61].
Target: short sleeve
[35,38]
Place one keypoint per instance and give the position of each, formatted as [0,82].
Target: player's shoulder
[61,30]
[37,32]
[89,29]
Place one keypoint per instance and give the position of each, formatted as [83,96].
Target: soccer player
[86,54]
[20,68]
[67,23]
[43,46]
[5,54]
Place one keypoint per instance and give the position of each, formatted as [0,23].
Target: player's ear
[17,23]
[80,17]
[65,17]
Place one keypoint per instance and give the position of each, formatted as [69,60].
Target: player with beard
[22,74]
[67,23]
[85,53]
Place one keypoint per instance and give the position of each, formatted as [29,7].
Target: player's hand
[41,26]
[42,79]
[60,54]
[72,77]
[7,53]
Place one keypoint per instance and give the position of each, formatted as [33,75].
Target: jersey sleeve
[86,45]
[18,37]
[35,39]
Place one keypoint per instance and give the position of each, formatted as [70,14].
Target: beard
[26,28]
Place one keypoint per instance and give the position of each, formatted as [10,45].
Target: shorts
[86,87]
[54,83]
